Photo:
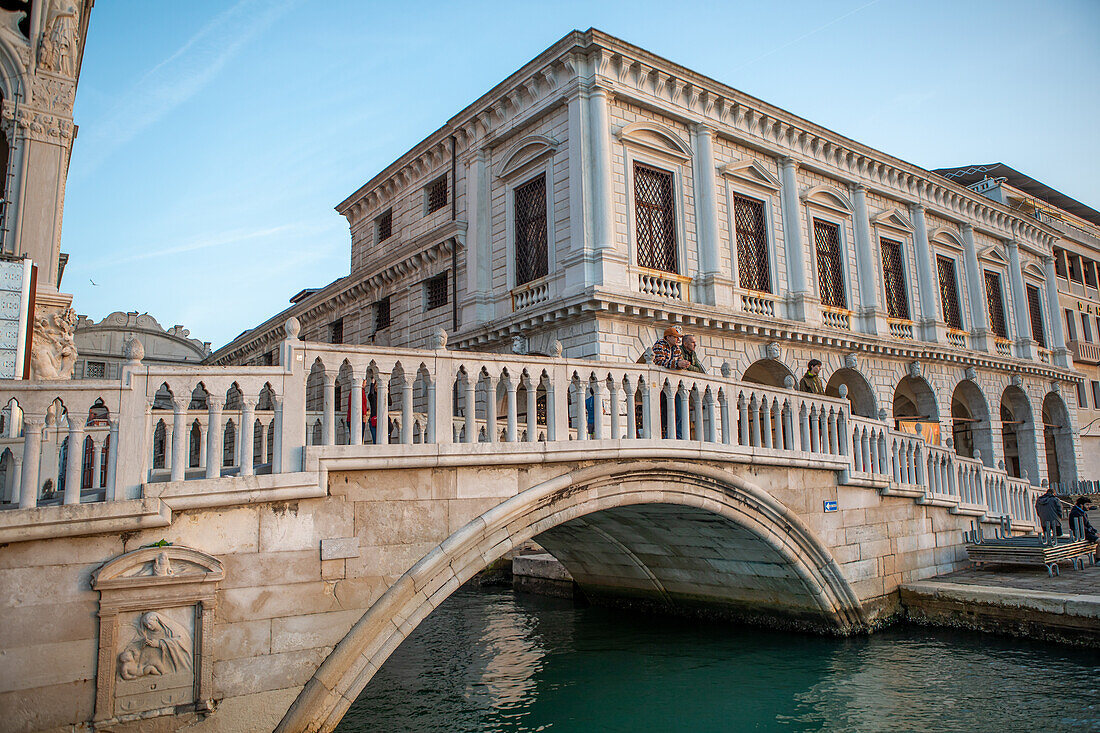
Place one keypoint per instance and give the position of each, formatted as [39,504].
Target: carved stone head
[914,369]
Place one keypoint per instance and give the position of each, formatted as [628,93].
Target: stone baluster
[754,421]
[765,414]
[204,436]
[471,407]
[580,407]
[382,397]
[834,447]
[510,387]
[711,435]
[670,411]
[215,436]
[169,443]
[857,454]
[73,462]
[631,409]
[777,423]
[724,410]
[815,430]
[32,449]
[865,450]
[247,435]
[15,477]
[613,408]
[596,416]
[652,394]
[883,458]
[179,436]
[744,437]
[695,397]
[804,426]
[328,414]
[491,408]
[532,389]
[355,429]
[406,386]
[112,461]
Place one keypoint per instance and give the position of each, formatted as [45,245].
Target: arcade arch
[860,393]
[1018,435]
[971,429]
[769,372]
[1058,440]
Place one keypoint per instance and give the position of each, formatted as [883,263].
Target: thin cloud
[233,236]
[180,76]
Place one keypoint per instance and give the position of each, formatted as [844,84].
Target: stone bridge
[233,550]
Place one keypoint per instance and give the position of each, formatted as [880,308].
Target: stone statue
[160,646]
[53,351]
[58,49]
[771,351]
[850,361]
[972,374]
[914,369]
[519,345]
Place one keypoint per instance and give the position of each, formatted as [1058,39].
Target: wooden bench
[1032,551]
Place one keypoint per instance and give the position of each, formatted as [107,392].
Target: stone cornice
[424,250]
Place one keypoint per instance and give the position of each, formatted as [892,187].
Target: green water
[498,661]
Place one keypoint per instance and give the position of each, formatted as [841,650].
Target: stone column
[97,463]
[32,448]
[713,288]
[931,326]
[328,416]
[247,434]
[872,318]
[798,292]
[277,441]
[169,441]
[382,390]
[981,337]
[573,262]
[477,305]
[215,436]
[73,462]
[1025,346]
[1059,352]
[16,477]
[179,436]
[355,429]
[608,268]
[204,439]
[112,462]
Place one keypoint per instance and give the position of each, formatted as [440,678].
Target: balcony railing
[758,304]
[956,338]
[1084,352]
[901,329]
[836,318]
[530,294]
[663,284]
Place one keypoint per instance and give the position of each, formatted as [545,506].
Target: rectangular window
[949,293]
[893,277]
[94,369]
[435,292]
[336,331]
[1095,393]
[655,218]
[1074,268]
[384,224]
[531,233]
[1086,328]
[830,281]
[1035,311]
[382,314]
[437,194]
[995,301]
[753,272]
[1059,262]
[1082,395]
[1071,326]
[1090,273]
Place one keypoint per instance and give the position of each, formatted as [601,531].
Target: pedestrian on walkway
[811,380]
[1049,510]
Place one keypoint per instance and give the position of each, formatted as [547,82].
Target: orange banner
[930,431]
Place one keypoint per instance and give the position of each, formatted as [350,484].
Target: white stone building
[101,346]
[1076,263]
[600,192]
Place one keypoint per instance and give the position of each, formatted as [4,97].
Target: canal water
[492,660]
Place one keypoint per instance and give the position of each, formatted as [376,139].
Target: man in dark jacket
[1078,513]
[811,380]
[688,348]
[1049,510]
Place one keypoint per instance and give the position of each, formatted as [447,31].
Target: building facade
[102,346]
[601,192]
[1076,262]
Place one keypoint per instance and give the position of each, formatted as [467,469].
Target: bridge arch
[566,505]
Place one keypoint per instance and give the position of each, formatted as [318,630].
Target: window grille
[829,278]
[94,369]
[435,292]
[437,194]
[531,233]
[656,219]
[752,245]
[893,277]
[382,314]
[385,223]
[1035,311]
[336,331]
[949,293]
[995,302]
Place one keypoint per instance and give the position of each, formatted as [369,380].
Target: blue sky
[215,137]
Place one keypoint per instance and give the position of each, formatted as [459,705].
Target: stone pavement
[1085,581]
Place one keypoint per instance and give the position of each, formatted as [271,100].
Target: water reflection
[494,661]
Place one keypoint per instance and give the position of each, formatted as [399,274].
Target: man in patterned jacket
[667,352]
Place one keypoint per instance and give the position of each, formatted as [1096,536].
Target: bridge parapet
[223,425]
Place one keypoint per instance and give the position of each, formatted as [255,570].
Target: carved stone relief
[156,611]
[58,51]
[53,350]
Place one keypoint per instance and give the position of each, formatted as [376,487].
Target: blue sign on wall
[830,506]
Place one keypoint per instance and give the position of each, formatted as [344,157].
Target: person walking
[811,380]
[1049,510]
[691,354]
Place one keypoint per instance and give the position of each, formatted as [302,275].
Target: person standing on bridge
[688,347]
[668,350]
[1049,510]
[811,380]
